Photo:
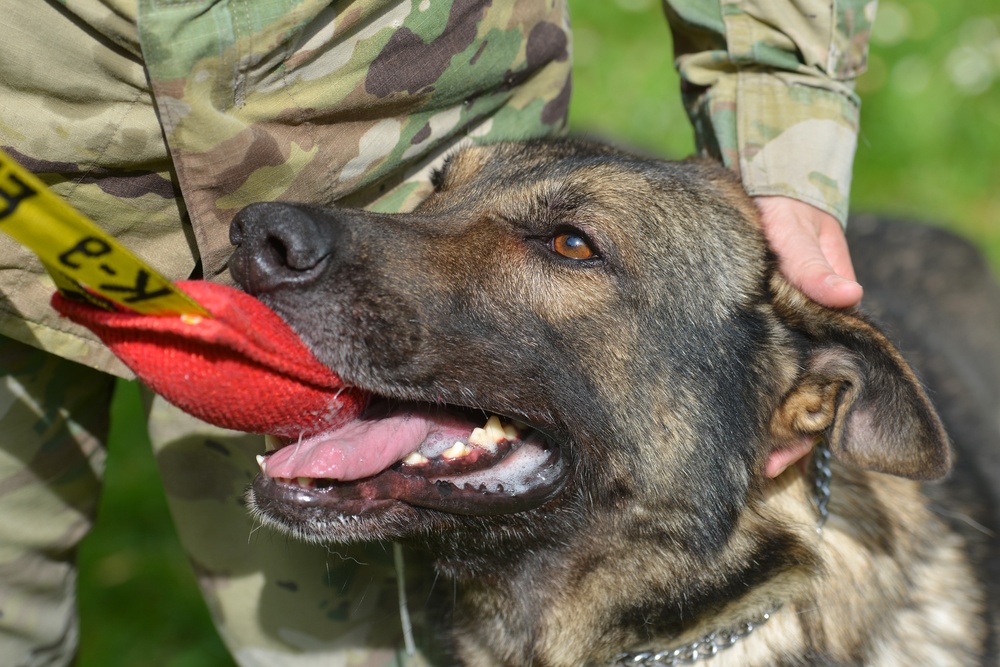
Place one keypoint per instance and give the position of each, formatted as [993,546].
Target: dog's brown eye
[572,246]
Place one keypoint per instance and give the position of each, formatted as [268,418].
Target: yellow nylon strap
[83,260]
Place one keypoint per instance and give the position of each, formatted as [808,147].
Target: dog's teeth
[306,482]
[415,459]
[494,429]
[479,438]
[262,462]
[271,443]
[456,451]
[492,434]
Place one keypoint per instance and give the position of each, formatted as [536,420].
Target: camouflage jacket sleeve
[769,87]
[160,119]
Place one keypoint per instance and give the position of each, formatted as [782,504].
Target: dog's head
[621,317]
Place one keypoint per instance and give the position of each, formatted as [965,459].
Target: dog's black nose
[278,245]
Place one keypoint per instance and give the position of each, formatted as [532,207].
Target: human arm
[769,88]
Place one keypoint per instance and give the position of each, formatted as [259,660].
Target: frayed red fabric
[242,369]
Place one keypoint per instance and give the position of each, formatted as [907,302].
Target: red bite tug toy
[243,368]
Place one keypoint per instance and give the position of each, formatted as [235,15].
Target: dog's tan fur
[669,373]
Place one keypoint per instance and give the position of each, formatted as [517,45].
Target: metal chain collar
[821,481]
[700,649]
[709,645]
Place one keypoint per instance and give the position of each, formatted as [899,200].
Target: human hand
[812,250]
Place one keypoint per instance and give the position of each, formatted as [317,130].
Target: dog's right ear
[856,391]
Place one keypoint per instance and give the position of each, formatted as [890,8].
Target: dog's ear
[857,391]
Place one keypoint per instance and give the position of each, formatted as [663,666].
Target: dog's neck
[592,606]
[710,644]
[541,613]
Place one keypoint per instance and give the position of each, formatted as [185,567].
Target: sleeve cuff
[782,134]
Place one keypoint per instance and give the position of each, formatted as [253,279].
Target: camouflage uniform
[769,88]
[160,119]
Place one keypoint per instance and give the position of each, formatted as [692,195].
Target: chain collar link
[821,482]
[700,649]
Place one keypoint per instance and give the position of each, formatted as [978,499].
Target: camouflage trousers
[275,602]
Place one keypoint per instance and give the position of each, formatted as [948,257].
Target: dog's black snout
[278,244]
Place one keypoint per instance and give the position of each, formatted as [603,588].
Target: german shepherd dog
[607,416]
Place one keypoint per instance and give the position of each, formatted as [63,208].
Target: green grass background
[930,149]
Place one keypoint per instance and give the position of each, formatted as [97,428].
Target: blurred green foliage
[929,149]
[139,603]
[930,120]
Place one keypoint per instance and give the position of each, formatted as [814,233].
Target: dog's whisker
[964,518]
[254,529]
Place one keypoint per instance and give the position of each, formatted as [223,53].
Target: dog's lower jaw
[552,631]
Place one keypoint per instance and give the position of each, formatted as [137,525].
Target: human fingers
[812,250]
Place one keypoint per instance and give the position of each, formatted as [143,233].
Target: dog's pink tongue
[366,447]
